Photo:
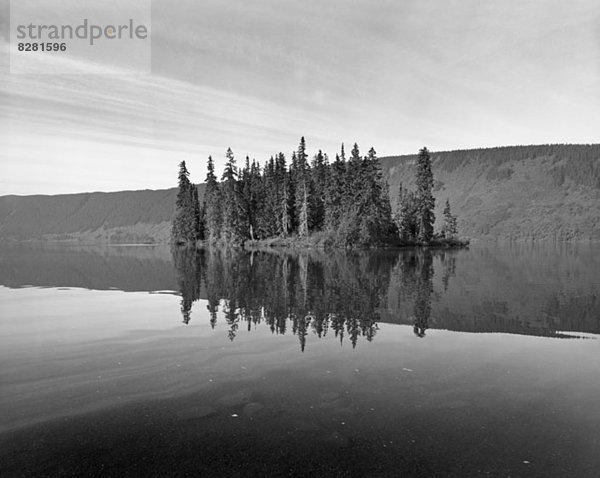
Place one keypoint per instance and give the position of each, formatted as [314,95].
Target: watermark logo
[75,37]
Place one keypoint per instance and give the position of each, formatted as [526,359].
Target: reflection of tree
[311,292]
[414,280]
[308,293]
[449,267]
[188,264]
[424,288]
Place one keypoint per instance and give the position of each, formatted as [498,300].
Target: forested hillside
[548,192]
[124,216]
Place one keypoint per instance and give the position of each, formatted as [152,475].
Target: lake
[136,361]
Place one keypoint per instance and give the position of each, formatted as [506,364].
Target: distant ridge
[118,217]
[537,192]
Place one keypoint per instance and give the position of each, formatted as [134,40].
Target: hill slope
[124,216]
[548,192]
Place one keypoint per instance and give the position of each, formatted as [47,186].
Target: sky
[257,75]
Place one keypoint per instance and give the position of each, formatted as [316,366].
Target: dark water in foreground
[126,361]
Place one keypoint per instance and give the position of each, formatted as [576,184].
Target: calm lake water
[128,361]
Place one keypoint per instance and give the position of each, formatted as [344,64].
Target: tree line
[345,201]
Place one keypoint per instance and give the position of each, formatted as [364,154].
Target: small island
[317,203]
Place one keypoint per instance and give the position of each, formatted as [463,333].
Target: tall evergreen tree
[212,204]
[425,199]
[301,176]
[292,175]
[233,229]
[199,228]
[269,213]
[184,225]
[251,198]
[354,183]
[336,191]
[380,197]
[285,195]
[318,180]
[375,213]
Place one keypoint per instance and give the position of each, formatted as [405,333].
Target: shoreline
[320,241]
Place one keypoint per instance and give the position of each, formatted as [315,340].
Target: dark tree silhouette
[186,225]
[424,196]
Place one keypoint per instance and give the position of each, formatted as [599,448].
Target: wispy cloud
[257,75]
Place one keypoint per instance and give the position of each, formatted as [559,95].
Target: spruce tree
[183,229]
[301,176]
[285,209]
[375,213]
[449,228]
[335,193]
[318,180]
[251,197]
[285,195]
[199,230]
[257,198]
[354,183]
[269,204]
[425,199]
[233,227]
[405,216]
[212,204]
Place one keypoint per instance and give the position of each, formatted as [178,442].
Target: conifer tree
[449,228]
[251,198]
[212,204]
[270,212]
[424,196]
[318,180]
[301,187]
[354,182]
[285,210]
[233,227]
[336,191]
[199,229]
[375,213]
[284,197]
[405,215]
[183,229]
[293,172]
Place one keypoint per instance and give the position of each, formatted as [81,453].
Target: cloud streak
[256,76]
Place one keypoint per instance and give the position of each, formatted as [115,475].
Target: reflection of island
[532,290]
[346,295]
[304,293]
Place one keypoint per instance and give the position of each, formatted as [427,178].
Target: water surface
[133,361]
